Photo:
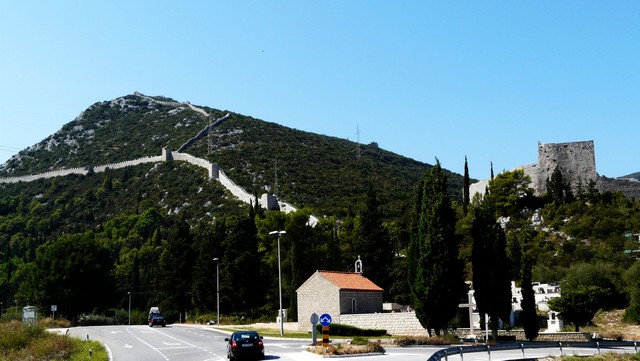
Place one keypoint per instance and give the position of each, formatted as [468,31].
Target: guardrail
[461,350]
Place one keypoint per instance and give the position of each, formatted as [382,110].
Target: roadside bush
[19,342]
[51,323]
[347,330]
[360,340]
[423,340]
[342,349]
[14,335]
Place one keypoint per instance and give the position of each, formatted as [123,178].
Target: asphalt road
[201,343]
[197,343]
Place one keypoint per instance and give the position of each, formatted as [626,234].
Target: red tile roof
[350,281]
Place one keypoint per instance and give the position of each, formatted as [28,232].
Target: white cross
[469,305]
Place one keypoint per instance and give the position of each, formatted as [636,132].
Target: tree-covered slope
[320,172]
[635,175]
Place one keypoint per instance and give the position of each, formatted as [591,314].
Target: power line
[6,148]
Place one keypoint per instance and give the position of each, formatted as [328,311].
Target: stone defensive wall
[576,161]
[629,187]
[235,189]
[204,132]
[81,170]
[212,168]
[267,201]
[50,174]
[128,163]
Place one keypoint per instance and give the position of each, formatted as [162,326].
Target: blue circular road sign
[325,319]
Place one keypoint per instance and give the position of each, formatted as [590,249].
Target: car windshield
[246,336]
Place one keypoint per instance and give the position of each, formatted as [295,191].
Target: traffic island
[349,349]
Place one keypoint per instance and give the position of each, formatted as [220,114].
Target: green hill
[315,171]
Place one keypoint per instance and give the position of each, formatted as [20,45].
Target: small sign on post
[314,332]
[325,321]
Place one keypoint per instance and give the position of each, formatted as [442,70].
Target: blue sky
[425,79]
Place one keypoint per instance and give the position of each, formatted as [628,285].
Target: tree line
[421,258]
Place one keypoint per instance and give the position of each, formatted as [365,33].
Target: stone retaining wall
[542,336]
[407,324]
[398,323]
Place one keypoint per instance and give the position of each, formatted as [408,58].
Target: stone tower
[576,161]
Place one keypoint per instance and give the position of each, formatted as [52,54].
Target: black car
[157,319]
[243,344]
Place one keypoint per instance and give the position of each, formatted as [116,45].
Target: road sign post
[314,332]
[325,321]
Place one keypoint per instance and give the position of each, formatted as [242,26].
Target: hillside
[153,229]
[314,171]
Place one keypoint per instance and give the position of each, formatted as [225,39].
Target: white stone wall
[399,323]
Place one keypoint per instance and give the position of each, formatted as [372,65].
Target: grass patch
[19,342]
[601,357]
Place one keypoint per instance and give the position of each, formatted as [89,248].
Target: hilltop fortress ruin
[577,162]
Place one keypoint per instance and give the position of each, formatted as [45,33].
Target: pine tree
[436,274]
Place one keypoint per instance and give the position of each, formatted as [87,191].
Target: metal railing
[596,345]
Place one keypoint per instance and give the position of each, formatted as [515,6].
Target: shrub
[51,323]
[423,340]
[347,330]
[340,349]
[360,340]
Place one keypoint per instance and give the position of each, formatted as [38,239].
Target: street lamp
[279,233]
[217,290]
[129,293]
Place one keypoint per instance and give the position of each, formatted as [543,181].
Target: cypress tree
[375,246]
[528,303]
[436,274]
[491,280]
[465,191]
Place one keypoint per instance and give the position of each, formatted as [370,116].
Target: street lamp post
[279,233]
[217,290]
[129,293]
